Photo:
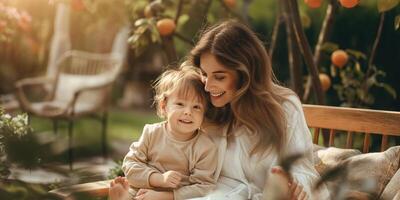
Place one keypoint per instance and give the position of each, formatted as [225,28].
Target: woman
[262,121]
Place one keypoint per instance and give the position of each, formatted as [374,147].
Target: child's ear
[163,105]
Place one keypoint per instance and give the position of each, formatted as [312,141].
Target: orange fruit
[325,81]
[166,26]
[77,5]
[230,3]
[313,3]
[339,58]
[348,3]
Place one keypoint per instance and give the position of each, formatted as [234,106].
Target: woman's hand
[147,194]
[296,190]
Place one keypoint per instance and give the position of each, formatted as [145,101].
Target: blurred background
[358,61]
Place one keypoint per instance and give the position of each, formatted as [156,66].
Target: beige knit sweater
[157,152]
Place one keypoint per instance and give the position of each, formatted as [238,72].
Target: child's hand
[172,179]
[146,194]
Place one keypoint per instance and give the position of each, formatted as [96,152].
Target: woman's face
[220,81]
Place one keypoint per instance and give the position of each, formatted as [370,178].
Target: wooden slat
[352,119]
[316,135]
[98,189]
[384,142]
[349,140]
[366,143]
[331,137]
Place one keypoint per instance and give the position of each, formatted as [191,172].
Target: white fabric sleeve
[299,141]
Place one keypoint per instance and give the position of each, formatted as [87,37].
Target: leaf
[385,5]
[329,47]
[333,70]
[357,66]
[183,19]
[133,39]
[389,89]
[305,20]
[368,99]
[155,37]
[371,81]
[357,54]
[140,22]
[397,22]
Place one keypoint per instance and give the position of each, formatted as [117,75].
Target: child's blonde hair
[186,80]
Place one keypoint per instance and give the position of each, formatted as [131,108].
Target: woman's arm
[299,141]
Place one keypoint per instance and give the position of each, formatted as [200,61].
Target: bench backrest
[352,120]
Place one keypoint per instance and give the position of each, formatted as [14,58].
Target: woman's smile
[220,81]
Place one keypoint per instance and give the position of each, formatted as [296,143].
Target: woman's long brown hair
[258,100]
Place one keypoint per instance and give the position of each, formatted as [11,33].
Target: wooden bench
[353,121]
[334,119]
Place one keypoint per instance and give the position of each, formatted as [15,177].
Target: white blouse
[243,177]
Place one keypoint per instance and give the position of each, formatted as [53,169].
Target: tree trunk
[294,17]
[275,30]
[295,68]
[245,10]
[169,49]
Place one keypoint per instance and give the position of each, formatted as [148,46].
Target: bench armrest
[97,189]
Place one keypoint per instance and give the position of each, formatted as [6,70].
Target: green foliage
[18,146]
[116,171]
[386,5]
[397,22]
[353,87]
[15,142]
[145,33]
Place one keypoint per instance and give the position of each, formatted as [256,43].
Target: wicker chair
[81,88]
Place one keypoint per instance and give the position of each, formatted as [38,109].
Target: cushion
[397,197]
[392,187]
[329,157]
[369,172]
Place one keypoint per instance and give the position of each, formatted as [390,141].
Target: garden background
[162,32]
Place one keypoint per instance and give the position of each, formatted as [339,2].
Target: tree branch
[178,11]
[322,38]
[275,32]
[305,49]
[369,72]
[294,58]
[183,38]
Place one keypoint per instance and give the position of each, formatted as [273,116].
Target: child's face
[184,114]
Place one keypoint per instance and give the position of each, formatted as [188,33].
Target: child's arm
[169,179]
[135,166]
[202,176]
